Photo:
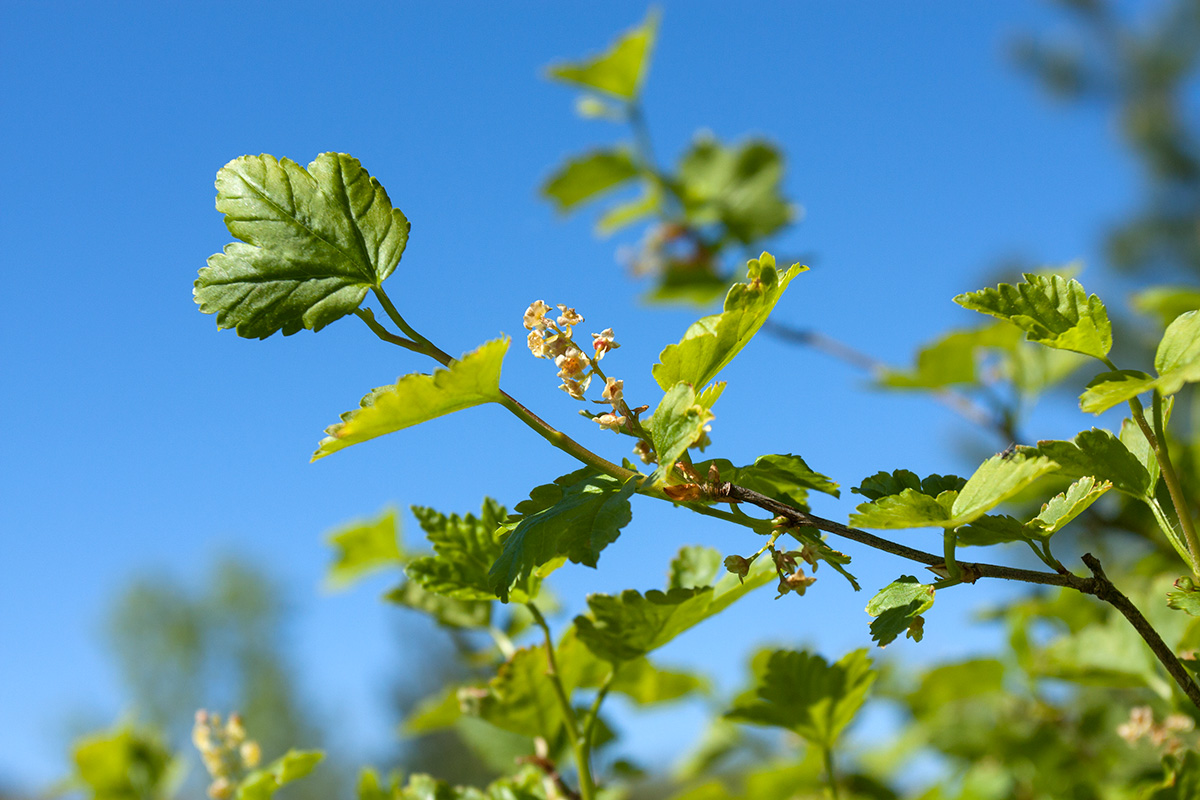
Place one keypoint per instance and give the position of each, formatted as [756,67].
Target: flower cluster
[1165,735]
[553,338]
[226,751]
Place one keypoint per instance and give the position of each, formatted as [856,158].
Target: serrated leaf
[803,693]
[897,609]
[786,478]
[621,69]
[996,480]
[694,566]
[1052,311]
[313,242]
[364,547]
[1110,389]
[1177,361]
[676,425]
[292,766]
[588,176]
[465,547]
[1099,454]
[909,509]
[1066,506]
[575,517]
[627,626]
[991,529]
[470,381]
[883,484]
[738,188]
[447,611]
[711,343]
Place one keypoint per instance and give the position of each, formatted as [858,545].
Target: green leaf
[623,214]
[466,548]
[1110,389]
[434,713]
[312,243]
[1166,302]
[621,69]
[694,566]
[676,425]
[470,381]
[909,509]
[1182,781]
[588,176]
[711,343]
[629,625]
[737,188]
[991,529]
[1177,362]
[996,480]
[447,611]
[577,516]
[786,478]
[951,359]
[883,484]
[1066,506]
[364,547]
[123,764]
[520,698]
[1185,597]
[1135,440]
[897,609]
[292,766]
[1051,310]
[646,684]
[803,693]
[1099,454]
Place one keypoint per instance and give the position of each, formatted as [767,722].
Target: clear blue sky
[142,439]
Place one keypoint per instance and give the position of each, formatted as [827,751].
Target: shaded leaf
[1182,781]
[694,566]
[434,713]
[1110,389]
[897,609]
[520,698]
[470,381]
[620,215]
[588,176]
[677,423]
[364,547]
[786,478]
[991,529]
[882,484]
[312,243]
[1135,440]
[951,359]
[1185,597]
[803,693]
[448,611]
[123,764]
[738,188]
[1099,454]
[575,517]
[621,69]
[1166,302]
[711,343]
[1051,310]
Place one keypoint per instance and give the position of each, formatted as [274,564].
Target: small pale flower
[603,342]
[574,388]
[535,316]
[557,345]
[537,344]
[614,392]
[1141,720]
[568,319]
[571,364]
[644,452]
[610,422]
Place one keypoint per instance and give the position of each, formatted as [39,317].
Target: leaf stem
[1163,451]
[830,775]
[580,746]
[424,345]
[367,316]
[594,713]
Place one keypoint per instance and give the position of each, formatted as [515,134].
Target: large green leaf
[312,243]
[1051,310]
[627,626]
[621,69]
[291,766]
[465,547]
[675,426]
[584,178]
[575,517]
[1053,517]
[364,547]
[998,479]
[897,609]
[712,342]
[1101,455]
[803,693]
[908,509]
[470,381]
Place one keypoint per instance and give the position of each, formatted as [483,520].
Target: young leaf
[1066,506]
[292,766]
[630,625]
[466,548]
[676,424]
[1051,310]
[1102,456]
[883,484]
[577,516]
[1110,389]
[621,69]
[584,178]
[312,243]
[711,343]
[470,381]
[803,693]
[897,609]
[1166,302]
[909,509]
[1178,357]
[364,547]
[996,480]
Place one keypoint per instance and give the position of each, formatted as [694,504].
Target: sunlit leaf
[1177,362]
[908,509]
[951,359]
[470,381]
[786,478]
[1110,389]
[1099,454]
[676,424]
[620,70]
[996,480]
[586,177]
[313,242]
[1166,302]
[711,343]
[123,764]
[897,609]
[364,547]
[1066,506]
[292,766]
[575,517]
[803,693]
[1051,310]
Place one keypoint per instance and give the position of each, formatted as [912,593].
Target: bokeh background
[156,470]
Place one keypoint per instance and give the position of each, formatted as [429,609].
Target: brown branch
[1098,585]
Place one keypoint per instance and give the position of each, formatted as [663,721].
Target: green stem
[503,643]
[562,441]
[368,317]
[830,775]
[594,713]
[949,542]
[580,746]
[425,346]
[1173,485]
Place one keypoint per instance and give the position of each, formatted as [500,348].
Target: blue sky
[141,439]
